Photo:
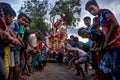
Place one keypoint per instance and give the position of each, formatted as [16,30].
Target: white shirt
[33,40]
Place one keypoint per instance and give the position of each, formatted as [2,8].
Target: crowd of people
[103,48]
[107,45]
[21,53]
[104,43]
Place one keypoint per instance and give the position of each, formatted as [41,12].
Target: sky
[113,5]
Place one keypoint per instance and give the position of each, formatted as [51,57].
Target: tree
[70,9]
[36,10]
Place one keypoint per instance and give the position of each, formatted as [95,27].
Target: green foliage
[36,10]
[70,8]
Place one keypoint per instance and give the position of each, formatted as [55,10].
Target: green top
[21,30]
[38,58]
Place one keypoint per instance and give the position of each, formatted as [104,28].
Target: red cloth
[40,45]
[64,20]
[105,16]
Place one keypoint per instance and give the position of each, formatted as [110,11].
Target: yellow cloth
[6,59]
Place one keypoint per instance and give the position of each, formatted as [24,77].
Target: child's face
[9,19]
[95,24]
[22,20]
[27,23]
[85,33]
[43,51]
[87,22]
[93,10]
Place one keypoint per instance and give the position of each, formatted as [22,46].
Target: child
[19,52]
[7,15]
[38,61]
[111,30]
[80,58]
[97,36]
[87,22]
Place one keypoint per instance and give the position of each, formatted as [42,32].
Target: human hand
[105,45]
[16,42]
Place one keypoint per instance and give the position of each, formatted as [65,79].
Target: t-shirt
[104,17]
[96,34]
[21,30]
[87,45]
[33,40]
[14,28]
[37,59]
[72,44]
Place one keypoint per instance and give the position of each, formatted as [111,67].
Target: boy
[7,15]
[111,29]
[97,36]
[80,58]
[19,29]
[87,22]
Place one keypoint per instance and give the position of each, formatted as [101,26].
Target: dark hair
[29,19]
[21,14]
[95,19]
[71,36]
[87,17]
[79,31]
[75,39]
[91,2]
[7,9]
[2,5]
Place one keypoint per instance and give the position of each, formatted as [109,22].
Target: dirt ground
[55,71]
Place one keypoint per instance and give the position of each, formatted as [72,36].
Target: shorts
[84,59]
[106,63]
[12,59]
[17,57]
[111,62]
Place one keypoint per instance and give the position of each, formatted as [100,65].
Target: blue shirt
[16,32]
